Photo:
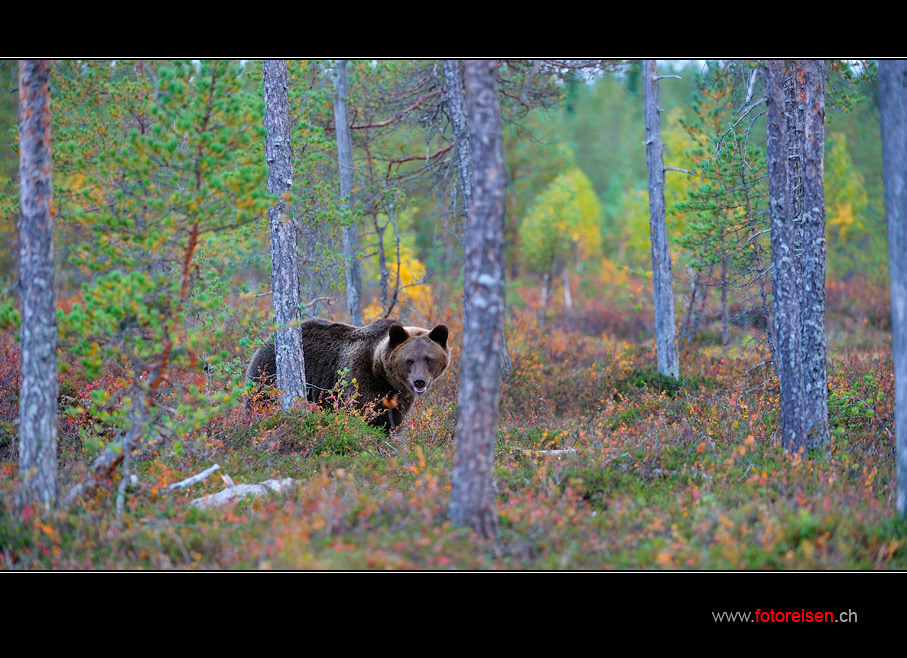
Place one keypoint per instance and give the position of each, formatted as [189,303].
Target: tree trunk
[460,123]
[345,160]
[784,265]
[38,391]
[568,298]
[810,86]
[760,268]
[460,126]
[893,111]
[284,254]
[665,345]
[725,324]
[543,305]
[472,499]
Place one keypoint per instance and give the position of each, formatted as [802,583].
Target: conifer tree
[158,167]
[472,499]
[284,251]
[795,130]
[38,390]
[893,111]
[727,235]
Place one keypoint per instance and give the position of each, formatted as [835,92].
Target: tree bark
[460,122]
[809,82]
[284,252]
[665,343]
[893,111]
[565,276]
[38,389]
[472,500]
[457,110]
[345,160]
[785,280]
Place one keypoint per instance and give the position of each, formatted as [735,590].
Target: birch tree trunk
[893,111]
[284,252]
[460,122]
[809,79]
[565,276]
[472,499]
[785,280]
[38,389]
[665,343]
[345,160]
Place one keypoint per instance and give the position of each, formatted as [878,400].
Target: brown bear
[390,364]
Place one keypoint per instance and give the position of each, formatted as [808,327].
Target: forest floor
[648,474]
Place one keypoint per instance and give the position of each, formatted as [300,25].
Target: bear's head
[411,358]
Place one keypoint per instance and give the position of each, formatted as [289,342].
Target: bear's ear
[397,334]
[439,335]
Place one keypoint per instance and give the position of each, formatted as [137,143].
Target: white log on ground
[198,477]
[241,491]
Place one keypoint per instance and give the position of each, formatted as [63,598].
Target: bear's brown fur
[391,364]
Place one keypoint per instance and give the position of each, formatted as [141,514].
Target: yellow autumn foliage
[415,296]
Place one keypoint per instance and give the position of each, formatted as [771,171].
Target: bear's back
[329,347]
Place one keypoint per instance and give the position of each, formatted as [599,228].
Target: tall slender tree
[893,111]
[809,91]
[665,343]
[458,117]
[345,160]
[453,79]
[38,392]
[284,251]
[795,100]
[472,501]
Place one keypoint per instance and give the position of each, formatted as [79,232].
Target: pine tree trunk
[810,85]
[472,499]
[454,82]
[456,107]
[893,111]
[784,265]
[345,159]
[284,254]
[38,390]
[665,342]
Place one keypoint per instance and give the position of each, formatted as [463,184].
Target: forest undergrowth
[600,464]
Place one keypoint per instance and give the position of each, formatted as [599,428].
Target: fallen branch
[547,453]
[240,491]
[198,477]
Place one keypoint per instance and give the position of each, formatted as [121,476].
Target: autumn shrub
[858,299]
[10,359]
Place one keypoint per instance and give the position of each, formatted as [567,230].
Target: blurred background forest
[577,217]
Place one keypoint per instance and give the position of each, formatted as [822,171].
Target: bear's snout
[419,385]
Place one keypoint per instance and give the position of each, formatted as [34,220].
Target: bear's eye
[428,362]
[409,364]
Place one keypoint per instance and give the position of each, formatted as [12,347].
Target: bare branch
[198,477]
